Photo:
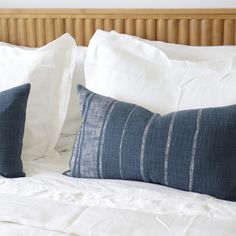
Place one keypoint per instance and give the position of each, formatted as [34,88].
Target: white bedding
[48,203]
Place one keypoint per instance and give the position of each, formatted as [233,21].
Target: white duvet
[48,203]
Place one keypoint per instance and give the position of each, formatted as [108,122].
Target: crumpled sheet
[48,203]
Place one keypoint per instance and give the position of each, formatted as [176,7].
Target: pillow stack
[140,73]
[49,70]
[192,149]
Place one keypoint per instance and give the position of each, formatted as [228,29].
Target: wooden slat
[13,31]
[41,34]
[59,27]
[172,31]
[130,26]
[195,32]
[99,24]
[5,30]
[151,29]
[50,30]
[206,32]
[162,30]
[229,29]
[140,28]
[234,32]
[217,32]
[183,32]
[22,32]
[89,30]
[119,26]
[79,31]
[108,24]
[69,26]
[31,33]
[0,31]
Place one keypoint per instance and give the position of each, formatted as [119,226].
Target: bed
[49,203]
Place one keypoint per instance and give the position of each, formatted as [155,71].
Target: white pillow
[49,70]
[72,121]
[133,71]
[190,53]
[73,118]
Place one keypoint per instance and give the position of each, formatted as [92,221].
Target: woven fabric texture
[13,103]
[191,150]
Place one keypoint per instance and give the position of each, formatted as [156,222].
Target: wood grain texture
[13,31]
[40,30]
[22,32]
[229,28]
[119,25]
[4,30]
[32,33]
[217,32]
[130,26]
[50,29]
[206,32]
[36,27]
[183,32]
[79,31]
[172,31]
[195,32]
[151,29]
[162,29]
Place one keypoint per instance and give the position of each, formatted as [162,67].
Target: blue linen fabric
[13,103]
[191,150]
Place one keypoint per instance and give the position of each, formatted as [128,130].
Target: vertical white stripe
[103,137]
[143,146]
[195,138]
[78,148]
[75,154]
[121,141]
[167,150]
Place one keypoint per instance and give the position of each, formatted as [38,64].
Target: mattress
[48,203]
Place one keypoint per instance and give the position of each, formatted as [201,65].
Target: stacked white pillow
[132,70]
[73,119]
[190,53]
[49,70]
[71,124]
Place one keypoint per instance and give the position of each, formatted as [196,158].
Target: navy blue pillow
[192,150]
[13,104]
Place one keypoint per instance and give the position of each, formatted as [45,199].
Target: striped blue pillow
[192,150]
[13,104]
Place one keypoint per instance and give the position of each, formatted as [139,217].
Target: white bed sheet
[48,203]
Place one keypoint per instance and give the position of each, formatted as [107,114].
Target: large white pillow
[49,70]
[73,119]
[191,53]
[133,71]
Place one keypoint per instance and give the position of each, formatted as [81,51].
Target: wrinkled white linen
[48,203]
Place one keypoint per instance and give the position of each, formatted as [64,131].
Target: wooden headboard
[192,27]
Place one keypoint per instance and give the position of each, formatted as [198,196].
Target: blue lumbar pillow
[13,104]
[192,150]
